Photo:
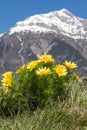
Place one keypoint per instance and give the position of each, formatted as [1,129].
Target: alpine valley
[59,33]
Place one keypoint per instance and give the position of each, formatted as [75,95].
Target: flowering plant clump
[35,83]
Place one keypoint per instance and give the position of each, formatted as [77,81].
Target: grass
[70,114]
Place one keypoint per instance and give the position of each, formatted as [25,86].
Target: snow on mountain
[1,35]
[61,21]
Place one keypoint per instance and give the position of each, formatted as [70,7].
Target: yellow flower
[70,65]
[31,65]
[22,68]
[43,71]
[46,58]
[77,77]
[61,70]
[7,79]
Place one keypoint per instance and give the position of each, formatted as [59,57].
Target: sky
[12,11]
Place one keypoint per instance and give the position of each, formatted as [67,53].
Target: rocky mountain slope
[59,33]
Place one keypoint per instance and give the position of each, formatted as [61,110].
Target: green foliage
[35,85]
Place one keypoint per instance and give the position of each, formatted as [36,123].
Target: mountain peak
[63,10]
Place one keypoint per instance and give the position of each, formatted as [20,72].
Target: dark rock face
[18,49]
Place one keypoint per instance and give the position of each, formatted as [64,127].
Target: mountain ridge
[50,21]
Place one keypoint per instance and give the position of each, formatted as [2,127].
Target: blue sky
[12,11]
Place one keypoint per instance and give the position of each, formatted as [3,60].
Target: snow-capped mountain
[59,33]
[57,22]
